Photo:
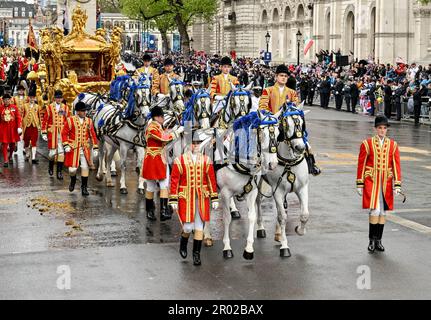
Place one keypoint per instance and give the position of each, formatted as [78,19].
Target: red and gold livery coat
[53,123]
[378,168]
[10,121]
[271,99]
[77,135]
[164,82]
[31,116]
[221,86]
[191,181]
[154,166]
[20,101]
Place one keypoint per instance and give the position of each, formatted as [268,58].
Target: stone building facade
[380,29]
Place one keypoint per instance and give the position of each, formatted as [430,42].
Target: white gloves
[359,191]
[179,130]
[219,98]
[67,149]
[95,153]
[397,191]
[44,137]
[19,131]
[174,206]
[214,205]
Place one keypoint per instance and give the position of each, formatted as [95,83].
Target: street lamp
[267,38]
[298,42]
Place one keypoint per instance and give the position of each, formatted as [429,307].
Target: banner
[308,46]
[31,38]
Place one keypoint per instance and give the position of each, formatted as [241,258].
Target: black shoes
[183,246]
[164,211]
[72,183]
[375,236]
[149,207]
[372,246]
[379,245]
[84,183]
[60,170]
[51,167]
[35,161]
[6,165]
[197,245]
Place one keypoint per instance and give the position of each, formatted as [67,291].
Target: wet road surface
[114,252]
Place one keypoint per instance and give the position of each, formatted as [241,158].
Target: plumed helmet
[226,61]
[157,111]
[282,68]
[381,121]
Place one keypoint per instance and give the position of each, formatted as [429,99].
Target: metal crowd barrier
[406,114]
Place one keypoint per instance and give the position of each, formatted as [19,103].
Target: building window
[30,14]
[23,12]
[15,12]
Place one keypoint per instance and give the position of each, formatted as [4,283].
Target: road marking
[408,223]
[414,150]
[8,201]
[427,167]
[413,210]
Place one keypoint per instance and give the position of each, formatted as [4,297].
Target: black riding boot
[72,183]
[51,167]
[197,245]
[60,170]
[379,245]
[149,207]
[372,236]
[183,246]
[312,167]
[164,211]
[84,182]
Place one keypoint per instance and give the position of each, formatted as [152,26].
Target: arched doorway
[373,34]
[274,37]
[327,31]
[350,34]
[287,33]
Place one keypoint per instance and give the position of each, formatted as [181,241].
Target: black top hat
[225,61]
[381,121]
[157,111]
[168,62]
[58,94]
[6,96]
[32,92]
[282,69]
[146,57]
[20,87]
[81,106]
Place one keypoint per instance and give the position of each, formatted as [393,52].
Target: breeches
[163,184]
[82,163]
[59,151]
[197,225]
[31,135]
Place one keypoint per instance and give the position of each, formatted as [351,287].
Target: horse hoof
[277,237]
[227,254]
[261,234]
[285,253]
[99,178]
[248,255]
[113,173]
[208,242]
[299,232]
[110,184]
[123,191]
[140,191]
[235,215]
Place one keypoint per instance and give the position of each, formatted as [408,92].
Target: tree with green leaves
[170,14]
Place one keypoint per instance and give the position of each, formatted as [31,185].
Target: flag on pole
[308,46]
[31,38]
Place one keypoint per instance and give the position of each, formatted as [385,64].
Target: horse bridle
[243,108]
[204,113]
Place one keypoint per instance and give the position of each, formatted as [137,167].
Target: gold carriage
[77,62]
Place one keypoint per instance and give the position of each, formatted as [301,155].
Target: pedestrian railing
[407,112]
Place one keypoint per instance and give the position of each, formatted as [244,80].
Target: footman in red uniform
[10,128]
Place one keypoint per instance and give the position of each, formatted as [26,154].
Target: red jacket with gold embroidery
[193,184]
[10,121]
[53,122]
[77,136]
[154,166]
[378,169]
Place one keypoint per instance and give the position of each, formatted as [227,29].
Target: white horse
[123,129]
[241,176]
[291,175]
